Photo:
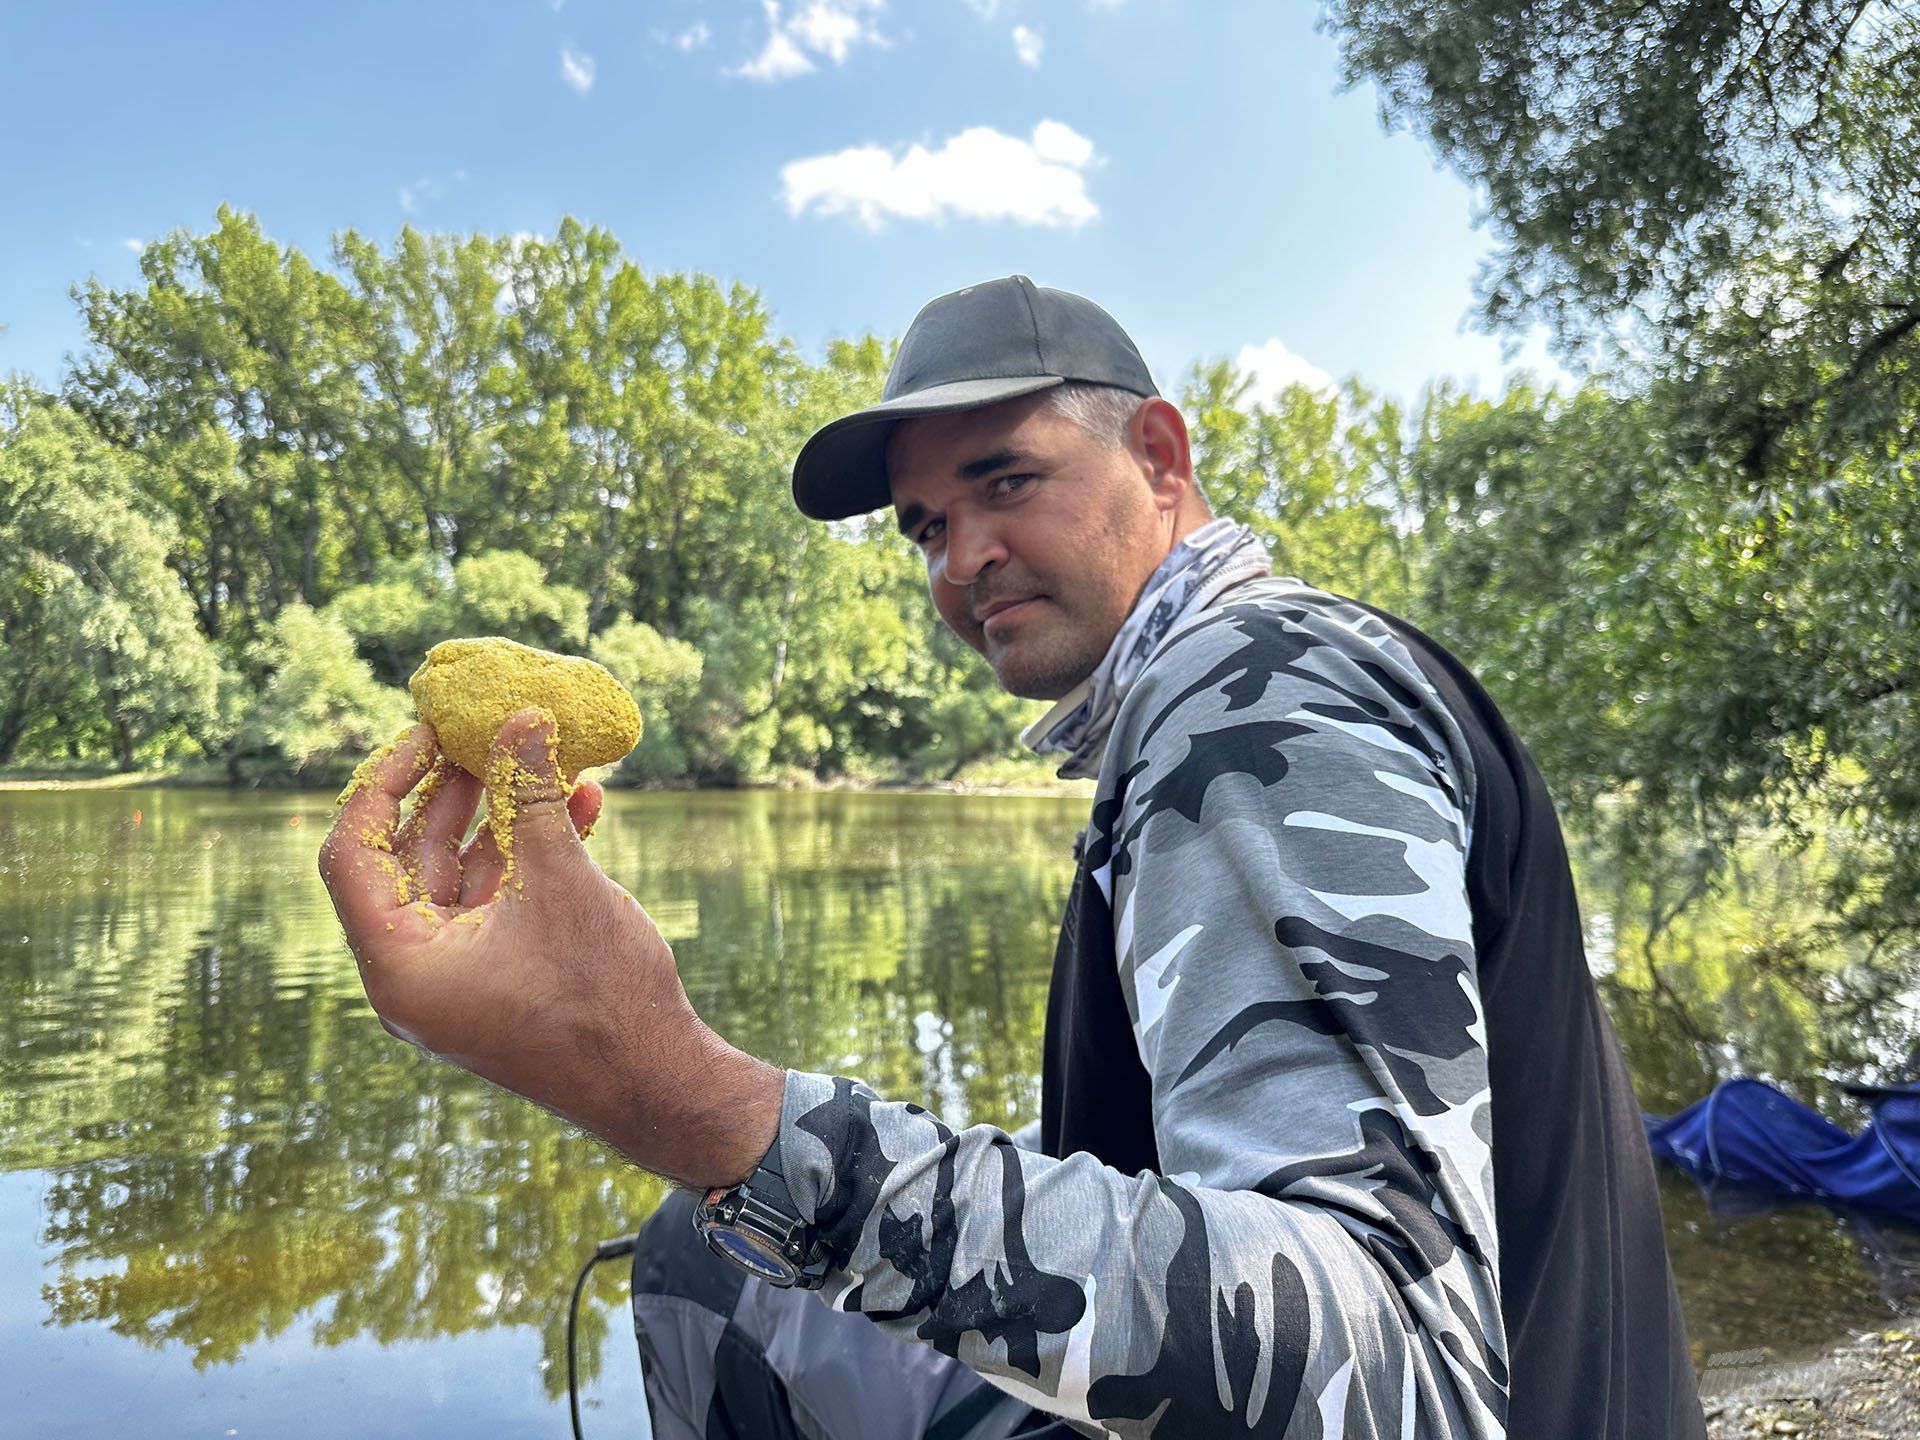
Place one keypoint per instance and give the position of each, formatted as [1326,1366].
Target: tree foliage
[97,641]
[534,437]
[664,678]
[1721,201]
[1695,584]
[321,703]
[1662,638]
[1319,474]
[334,467]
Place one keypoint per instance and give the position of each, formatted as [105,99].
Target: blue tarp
[1748,1135]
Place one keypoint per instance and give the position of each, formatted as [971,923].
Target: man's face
[1012,502]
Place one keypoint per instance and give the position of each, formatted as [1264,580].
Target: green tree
[234,375]
[400,614]
[1720,208]
[1731,193]
[414,604]
[586,390]
[432,362]
[94,628]
[1659,635]
[664,677]
[322,705]
[1317,473]
[505,593]
[532,436]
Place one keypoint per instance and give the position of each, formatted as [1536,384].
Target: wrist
[750,1126]
[710,1118]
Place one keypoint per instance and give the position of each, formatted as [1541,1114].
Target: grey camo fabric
[1280,831]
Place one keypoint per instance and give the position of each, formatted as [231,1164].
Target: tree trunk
[787,604]
[362,551]
[603,552]
[309,546]
[18,707]
[13,725]
[122,744]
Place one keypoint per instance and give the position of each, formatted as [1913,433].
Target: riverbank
[1010,777]
[1866,1388]
[119,780]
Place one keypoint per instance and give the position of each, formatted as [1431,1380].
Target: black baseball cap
[974,347]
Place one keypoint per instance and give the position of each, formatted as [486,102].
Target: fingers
[481,866]
[407,839]
[527,800]
[429,842]
[583,807]
[357,862]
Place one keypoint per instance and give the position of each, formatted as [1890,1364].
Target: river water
[231,1204]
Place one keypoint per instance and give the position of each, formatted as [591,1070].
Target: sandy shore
[173,780]
[89,782]
[1865,1389]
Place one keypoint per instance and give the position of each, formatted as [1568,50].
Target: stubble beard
[1046,667]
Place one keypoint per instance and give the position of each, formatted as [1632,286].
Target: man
[1336,1139]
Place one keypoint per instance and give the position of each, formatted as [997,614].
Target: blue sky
[1192,166]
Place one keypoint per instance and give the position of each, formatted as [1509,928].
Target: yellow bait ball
[466,690]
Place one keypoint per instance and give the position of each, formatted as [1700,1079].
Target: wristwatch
[755,1224]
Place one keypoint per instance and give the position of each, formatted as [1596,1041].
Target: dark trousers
[728,1357]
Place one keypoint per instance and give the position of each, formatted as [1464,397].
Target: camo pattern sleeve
[1280,827]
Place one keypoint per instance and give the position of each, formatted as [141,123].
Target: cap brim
[842,470]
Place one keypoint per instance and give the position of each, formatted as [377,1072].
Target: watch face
[750,1252]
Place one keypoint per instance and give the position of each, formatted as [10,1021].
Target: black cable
[605,1250]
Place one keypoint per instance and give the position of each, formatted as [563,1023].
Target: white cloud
[428,187]
[988,9]
[1029,45]
[813,29]
[829,30]
[1062,145]
[979,174]
[694,36]
[134,243]
[780,60]
[577,68]
[1273,367]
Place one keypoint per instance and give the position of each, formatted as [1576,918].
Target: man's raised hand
[516,957]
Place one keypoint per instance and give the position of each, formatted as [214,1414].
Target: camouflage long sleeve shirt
[1285,803]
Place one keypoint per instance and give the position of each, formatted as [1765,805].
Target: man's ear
[1157,436]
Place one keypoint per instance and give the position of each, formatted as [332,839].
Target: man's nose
[973,546]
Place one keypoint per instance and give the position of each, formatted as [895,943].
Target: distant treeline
[266,486]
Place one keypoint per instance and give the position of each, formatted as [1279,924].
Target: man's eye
[921,538]
[1012,482]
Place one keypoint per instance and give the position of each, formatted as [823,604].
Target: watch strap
[771,1164]
[758,1202]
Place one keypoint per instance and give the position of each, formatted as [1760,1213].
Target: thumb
[527,799]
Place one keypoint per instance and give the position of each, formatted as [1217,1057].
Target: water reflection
[229,1149]
[1788,1281]
[231,1145]
[1736,969]
[1739,970]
